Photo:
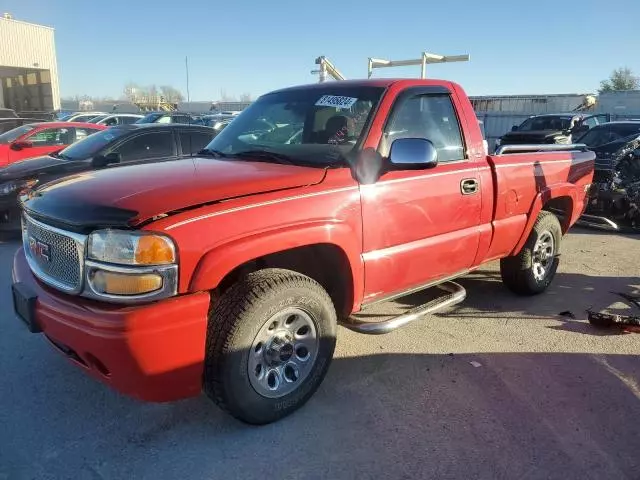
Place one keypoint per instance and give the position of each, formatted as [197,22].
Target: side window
[193,142]
[52,137]
[84,132]
[127,120]
[110,122]
[181,119]
[431,117]
[147,145]
[164,119]
[590,122]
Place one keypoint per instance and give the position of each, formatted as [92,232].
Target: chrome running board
[595,221]
[455,294]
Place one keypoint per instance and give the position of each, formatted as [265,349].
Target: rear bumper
[151,352]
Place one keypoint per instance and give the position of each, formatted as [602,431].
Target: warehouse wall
[31,47]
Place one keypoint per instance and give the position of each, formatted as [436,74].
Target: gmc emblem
[39,250]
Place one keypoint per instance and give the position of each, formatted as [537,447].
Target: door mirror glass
[413,153]
[17,146]
[514,128]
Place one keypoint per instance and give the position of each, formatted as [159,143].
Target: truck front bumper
[152,352]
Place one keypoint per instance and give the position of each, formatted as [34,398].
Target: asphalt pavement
[500,387]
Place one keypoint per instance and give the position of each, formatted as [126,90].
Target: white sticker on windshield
[336,101]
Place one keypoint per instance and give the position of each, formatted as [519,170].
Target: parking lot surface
[499,387]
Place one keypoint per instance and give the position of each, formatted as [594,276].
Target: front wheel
[270,341]
[531,271]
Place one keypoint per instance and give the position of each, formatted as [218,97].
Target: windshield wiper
[213,153]
[263,155]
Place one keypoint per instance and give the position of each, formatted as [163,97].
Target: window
[181,119]
[318,126]
[127,120]
[84,133]
[193,142]
[165,119]
[147,145]
[52,137]
[431,117]
[111,121]
[590,122]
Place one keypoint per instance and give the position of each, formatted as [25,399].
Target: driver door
[420,226]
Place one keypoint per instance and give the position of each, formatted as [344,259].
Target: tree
[620,79]
[171,94]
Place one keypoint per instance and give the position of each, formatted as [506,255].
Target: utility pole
[186,66]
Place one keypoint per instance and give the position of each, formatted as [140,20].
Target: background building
[28,68]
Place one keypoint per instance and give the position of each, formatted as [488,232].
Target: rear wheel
[270,341]
[531,271]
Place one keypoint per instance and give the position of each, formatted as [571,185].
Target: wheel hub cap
[283,353]
[543,255]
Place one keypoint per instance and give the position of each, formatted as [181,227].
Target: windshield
[12,135]
[307,126]
[150,118]
[91,145]
[545,123]
[97,118]
[608,133]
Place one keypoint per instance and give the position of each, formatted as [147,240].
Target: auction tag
[336,101]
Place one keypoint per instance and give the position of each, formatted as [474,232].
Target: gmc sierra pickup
[231,271]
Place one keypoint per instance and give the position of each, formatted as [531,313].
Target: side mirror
[101,161]
[413,153]
[514,128]
[17,146]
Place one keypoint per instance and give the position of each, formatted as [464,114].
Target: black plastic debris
[608,320]
[567,313]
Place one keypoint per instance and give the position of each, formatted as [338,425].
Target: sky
[239,46]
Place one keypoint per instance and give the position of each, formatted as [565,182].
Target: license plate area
[24,304]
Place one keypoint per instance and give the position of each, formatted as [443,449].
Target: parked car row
[106,148]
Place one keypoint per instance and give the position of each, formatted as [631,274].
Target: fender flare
[221,260]
[548,193]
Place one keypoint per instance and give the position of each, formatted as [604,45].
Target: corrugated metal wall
[25,45]
[529,104]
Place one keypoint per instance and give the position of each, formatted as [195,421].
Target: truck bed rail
[576,147]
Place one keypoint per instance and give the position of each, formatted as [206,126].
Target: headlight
[131,248]
[10,187]
[129,267]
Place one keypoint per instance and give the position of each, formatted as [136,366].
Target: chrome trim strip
[169,274]
[78,239]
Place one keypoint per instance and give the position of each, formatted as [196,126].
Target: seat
[334,125]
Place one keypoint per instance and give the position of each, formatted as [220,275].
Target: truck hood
[125,196]
[533,137]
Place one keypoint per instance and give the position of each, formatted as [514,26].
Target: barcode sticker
[336,101]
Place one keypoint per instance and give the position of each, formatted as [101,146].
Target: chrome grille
[54,256]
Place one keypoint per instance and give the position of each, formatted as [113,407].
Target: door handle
[469,186]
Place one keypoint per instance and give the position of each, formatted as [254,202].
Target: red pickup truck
[230,272]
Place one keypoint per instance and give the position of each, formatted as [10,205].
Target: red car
[229,272]
[36,139]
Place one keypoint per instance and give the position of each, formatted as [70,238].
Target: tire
[521,273]
[245,359]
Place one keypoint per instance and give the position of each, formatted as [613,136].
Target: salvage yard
[499,387]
